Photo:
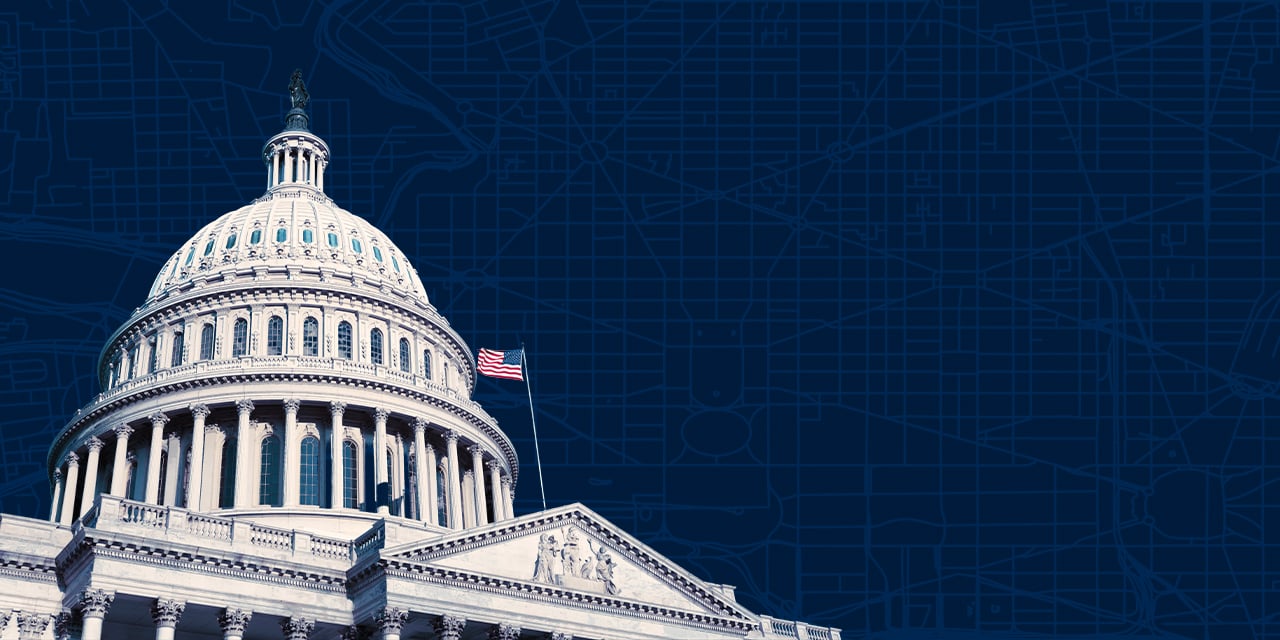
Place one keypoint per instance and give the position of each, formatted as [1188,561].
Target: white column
[432,489]
[292,453]
[477,467]
[195,475]
[455,479]
[158,420]
[288,164]
[120,468]
[57,495]
[495,484]
[389,622]
[171,488]
[311,168]
[398,479]
[320,176]
[275,168]
[69,491]
[93,608]
[510,508]
[468,499]
[504,631]
[244,463]
[215,438]
[338,500]
[382,490]
[420,467]
[166,613]
[90,475]
[233,622]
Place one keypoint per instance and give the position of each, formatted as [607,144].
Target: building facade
[286,447]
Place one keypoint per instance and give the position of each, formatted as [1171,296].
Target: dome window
[255,237]
[240,338]
[310,337]
[333,240]
[375,346]
[208,248]
[307,236]
[190,254]
[231,241]
[275,336]
[282,234]
[355,245]
[344,340]
[377,254]
[395,264]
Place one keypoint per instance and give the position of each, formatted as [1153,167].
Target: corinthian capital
[199,410]
[419,424]
[244,405]
[391,619]
[337,407]
[504,631]
[94,444]
[291,405]
[297,628]
[381,414]
[123,431]
[449,627]
[95,602]
[233,621]
[166,613]
[159,418]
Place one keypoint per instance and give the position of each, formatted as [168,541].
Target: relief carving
[568,564]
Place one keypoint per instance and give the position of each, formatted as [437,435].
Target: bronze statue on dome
[298,90]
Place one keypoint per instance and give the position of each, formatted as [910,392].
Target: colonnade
[386,624]
[476,487]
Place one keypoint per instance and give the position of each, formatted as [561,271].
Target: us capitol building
[286,447]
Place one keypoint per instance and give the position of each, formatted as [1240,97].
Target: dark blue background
[899,316]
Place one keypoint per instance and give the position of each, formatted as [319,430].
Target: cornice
[551,595]
[198,560]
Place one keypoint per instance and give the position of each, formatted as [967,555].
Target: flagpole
[524,364]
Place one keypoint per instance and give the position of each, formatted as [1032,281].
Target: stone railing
[111,513]
[775,628]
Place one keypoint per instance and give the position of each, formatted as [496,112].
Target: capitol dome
[288,364]
[285,445]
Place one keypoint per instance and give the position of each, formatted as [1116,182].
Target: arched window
[240,338]
[344,340]
[310,337]
[178,348]
[442,498]
[269,476]
[227,479]
[426,364]
[206,342]
[375,346]
[275,336]
[405,365]
[309,487]
[350,474]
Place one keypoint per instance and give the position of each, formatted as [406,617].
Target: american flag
[501,364]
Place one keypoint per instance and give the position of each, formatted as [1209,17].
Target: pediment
[572,548]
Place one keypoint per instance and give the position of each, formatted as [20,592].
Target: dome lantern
[296,157]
